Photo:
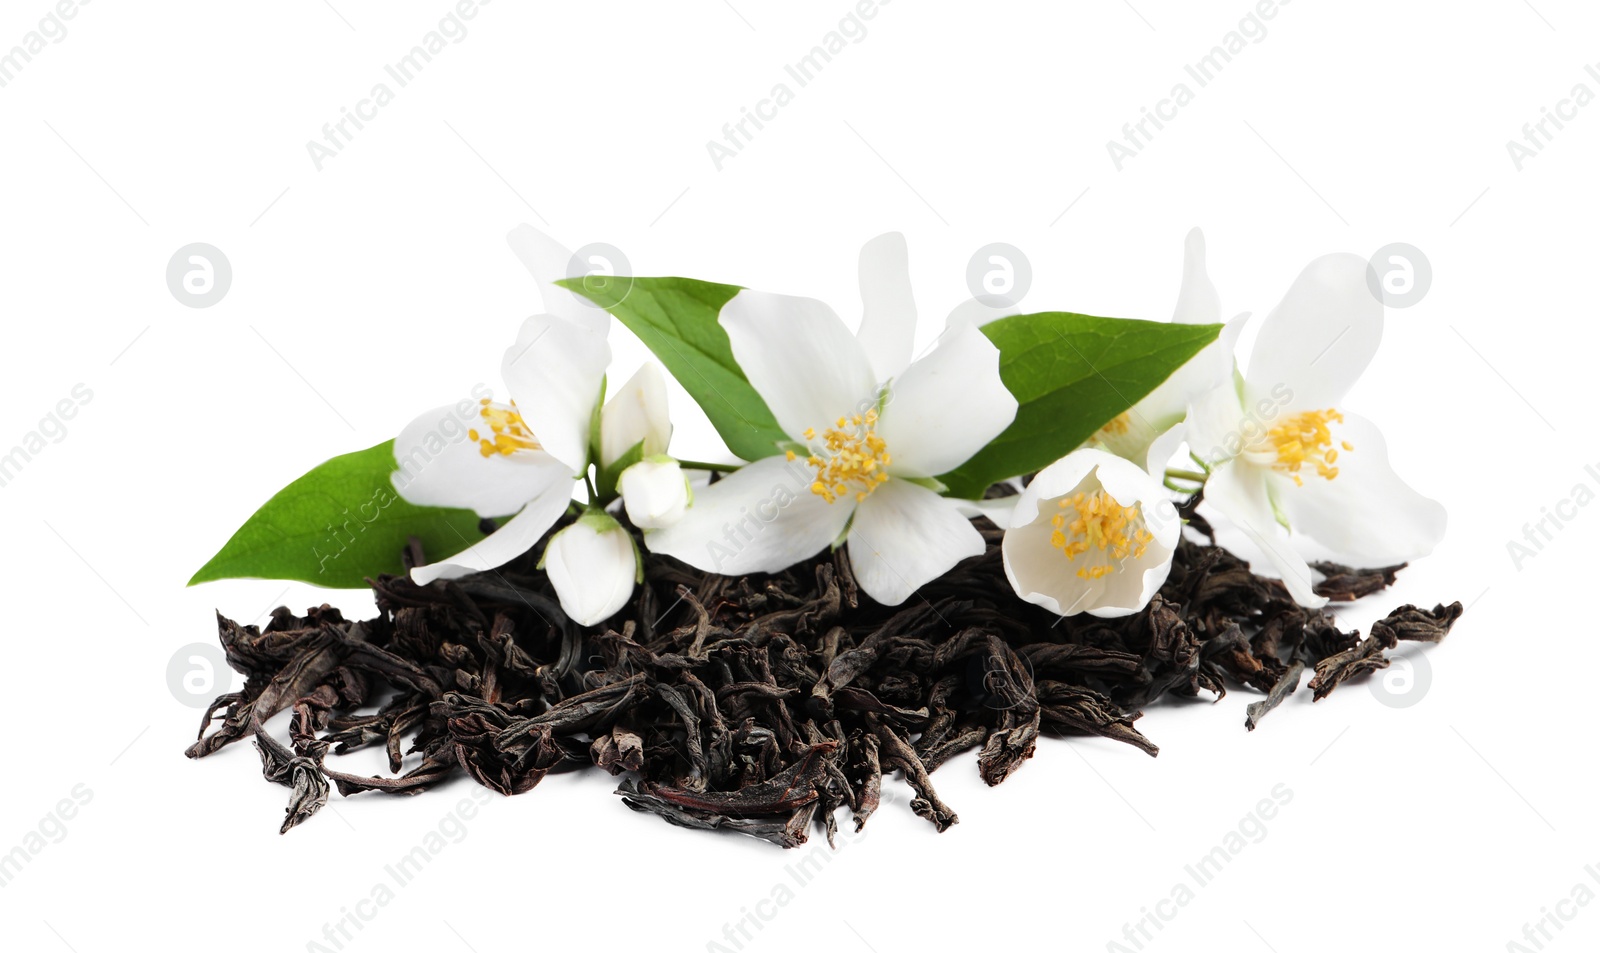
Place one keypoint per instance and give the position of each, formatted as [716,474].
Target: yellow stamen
[508,432]
[1305,439]
[852,456]
[1100,527]
[1118,426]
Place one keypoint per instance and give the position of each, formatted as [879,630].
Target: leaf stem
[1193,476]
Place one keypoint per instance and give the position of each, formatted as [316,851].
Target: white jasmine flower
[522,459]
[1090,533]
[868,431]
[1281,451]
[519,459]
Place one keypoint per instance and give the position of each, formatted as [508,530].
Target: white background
[381,286]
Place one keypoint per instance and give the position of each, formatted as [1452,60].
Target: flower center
[508,433]
[1097,525]
[1118,426]
[1305,439]
[851,459]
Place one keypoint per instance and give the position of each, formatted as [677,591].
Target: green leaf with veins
[676,318]
[1071,374]
[338,524]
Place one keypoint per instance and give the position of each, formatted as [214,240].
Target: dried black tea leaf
[763,705]
[1282,689]
[1343,584]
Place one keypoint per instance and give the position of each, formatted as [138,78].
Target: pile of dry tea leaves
[764,704]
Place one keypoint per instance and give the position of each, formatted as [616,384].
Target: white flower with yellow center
[1091,533]
[1282,452]
[870,430]
[523,459]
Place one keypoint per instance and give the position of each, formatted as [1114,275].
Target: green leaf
[338,524]
[677,319]
[1071,373]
